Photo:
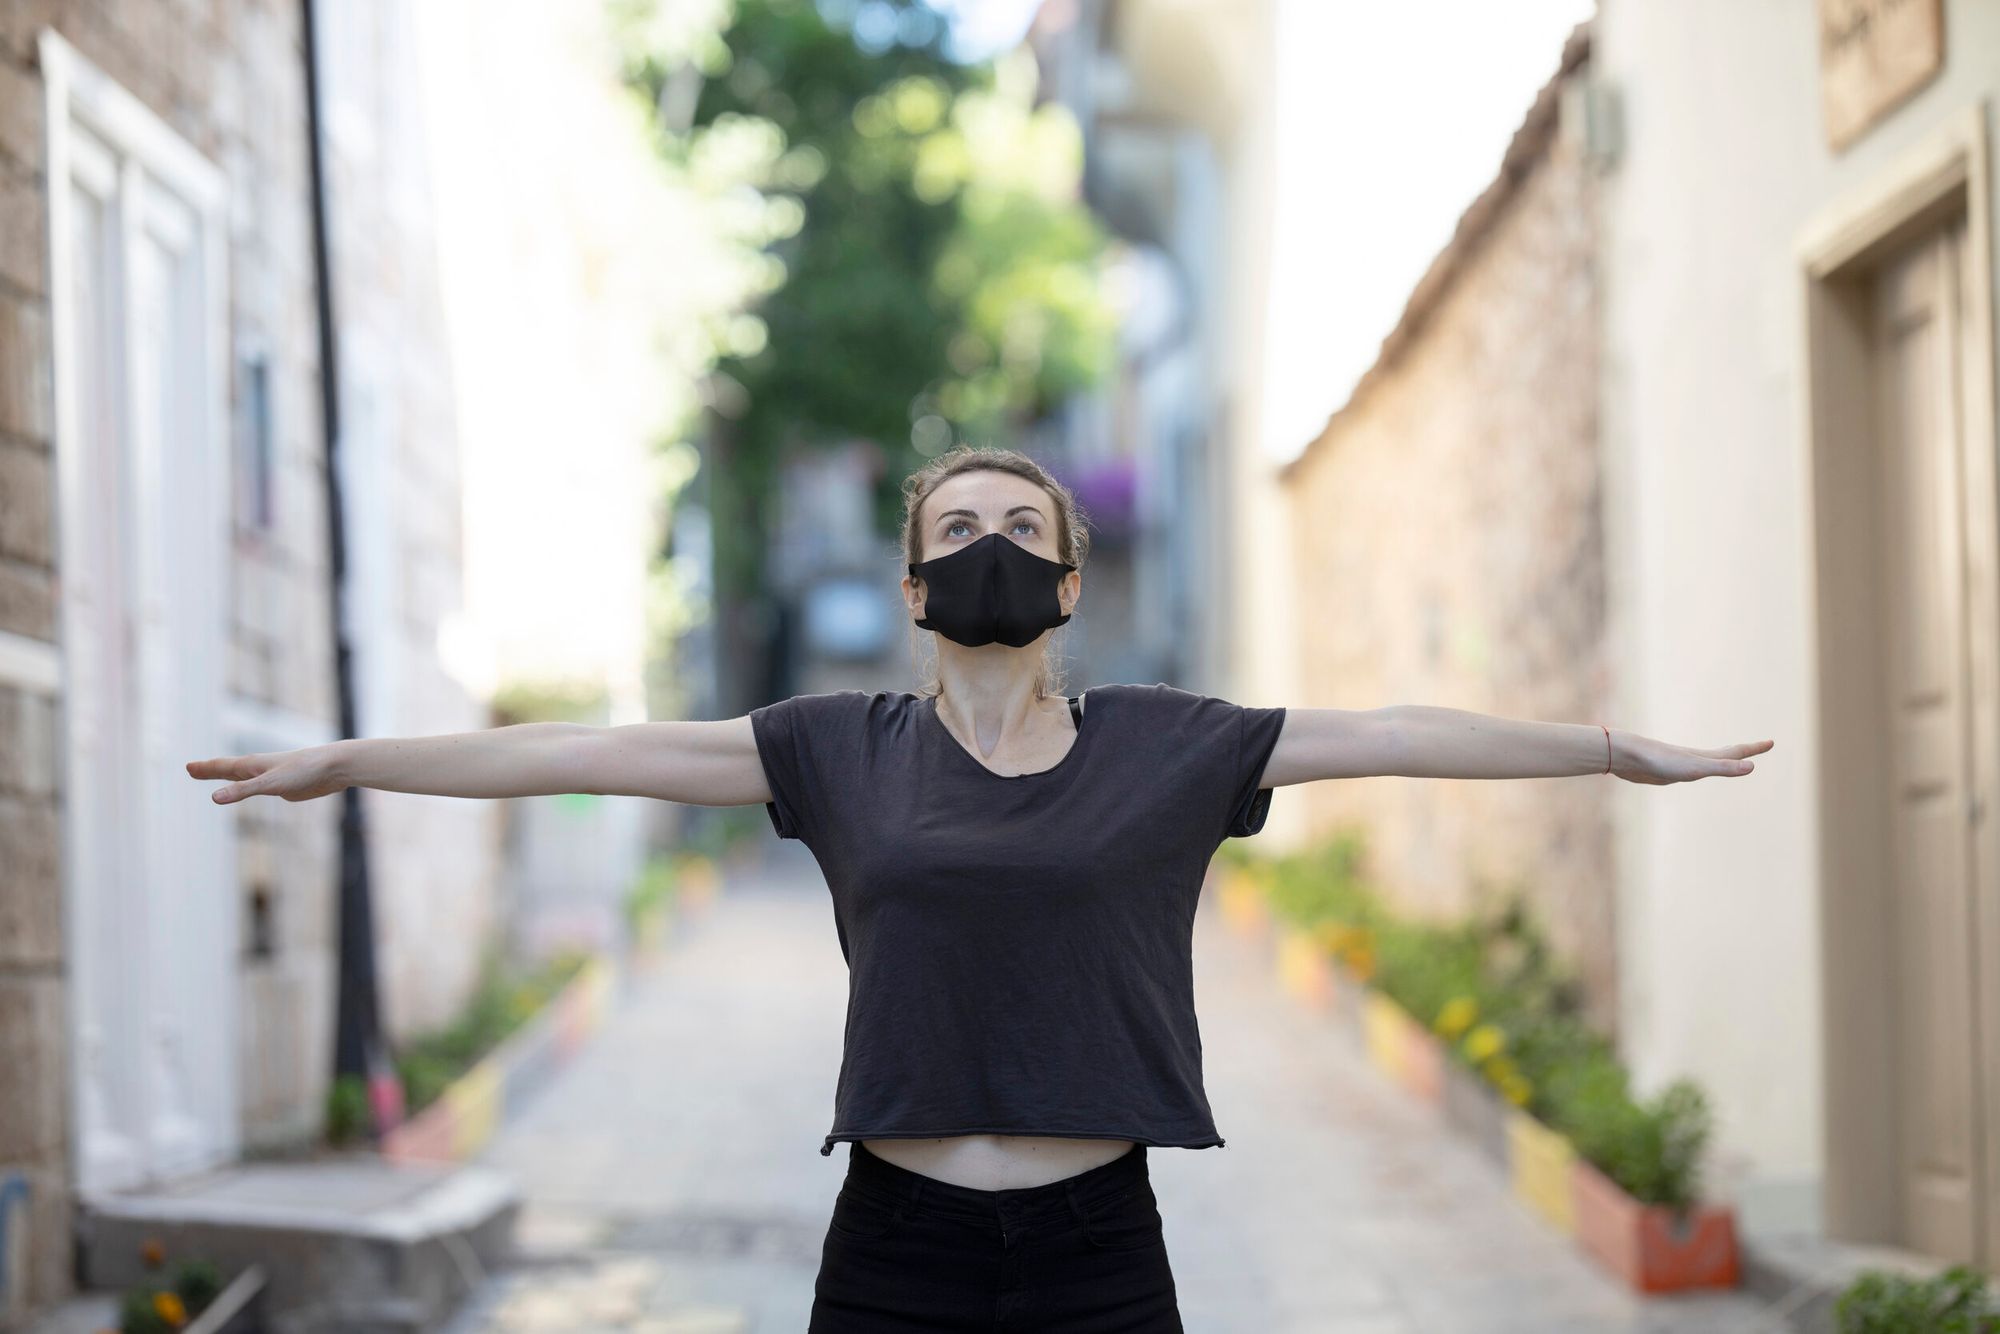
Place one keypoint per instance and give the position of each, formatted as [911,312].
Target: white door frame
[149,893]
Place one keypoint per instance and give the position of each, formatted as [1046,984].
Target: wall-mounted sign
[1873,54]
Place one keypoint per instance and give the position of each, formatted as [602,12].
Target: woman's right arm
[698,763]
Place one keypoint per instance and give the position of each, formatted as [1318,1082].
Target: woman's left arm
[1429,741]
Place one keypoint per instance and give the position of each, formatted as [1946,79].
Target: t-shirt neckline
[927,705]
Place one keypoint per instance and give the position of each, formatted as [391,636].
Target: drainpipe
[358,1047]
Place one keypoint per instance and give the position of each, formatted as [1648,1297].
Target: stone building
[167,967]
[1448,523]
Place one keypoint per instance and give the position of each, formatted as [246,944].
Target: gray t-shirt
[1019,948]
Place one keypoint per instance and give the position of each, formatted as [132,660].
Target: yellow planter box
[475,1108]
[1540,1160]
[1242,903]
[1303,969]
[1382,1032]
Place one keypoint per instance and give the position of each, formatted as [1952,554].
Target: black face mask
[991,589]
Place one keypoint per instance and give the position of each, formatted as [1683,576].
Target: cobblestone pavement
[675,1186]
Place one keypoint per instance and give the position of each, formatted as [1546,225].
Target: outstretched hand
[1641,759]
[295,775]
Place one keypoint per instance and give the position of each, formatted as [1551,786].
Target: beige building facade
[1797,385]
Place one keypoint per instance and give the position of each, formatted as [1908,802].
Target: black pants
[907,1252]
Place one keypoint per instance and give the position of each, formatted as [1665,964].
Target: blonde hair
[1072,534]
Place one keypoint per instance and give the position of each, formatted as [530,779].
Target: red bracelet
[1607,748]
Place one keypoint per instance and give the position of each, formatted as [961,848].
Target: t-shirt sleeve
[796,738]
[1226,746]
[1257,736]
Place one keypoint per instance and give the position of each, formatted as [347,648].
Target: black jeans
[907,1252]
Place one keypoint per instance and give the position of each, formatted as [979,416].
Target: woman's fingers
[228,766]
[1658,763]
[244,769]
[1738,752]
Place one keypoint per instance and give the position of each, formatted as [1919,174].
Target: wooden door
[1917,349]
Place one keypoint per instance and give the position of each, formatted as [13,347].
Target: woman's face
[968,506]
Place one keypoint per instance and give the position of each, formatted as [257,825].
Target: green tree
[935,275]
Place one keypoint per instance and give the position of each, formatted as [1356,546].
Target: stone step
[348,1243]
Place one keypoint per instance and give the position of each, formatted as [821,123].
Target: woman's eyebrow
[1008,515]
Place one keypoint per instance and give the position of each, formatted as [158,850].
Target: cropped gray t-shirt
[1019,947]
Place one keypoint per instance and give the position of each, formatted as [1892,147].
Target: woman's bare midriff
[999,1162]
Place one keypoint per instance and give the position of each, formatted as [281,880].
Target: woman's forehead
[985,492]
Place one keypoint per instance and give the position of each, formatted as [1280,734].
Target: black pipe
[358,1046]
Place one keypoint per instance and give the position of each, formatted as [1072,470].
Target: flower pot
[1540,1160]
[1472,1105]
[1646,1244]
[1423,1061]
[1303,968]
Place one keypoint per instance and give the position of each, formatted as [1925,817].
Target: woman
[1014,877]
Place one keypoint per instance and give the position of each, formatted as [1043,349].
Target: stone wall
[1449,537]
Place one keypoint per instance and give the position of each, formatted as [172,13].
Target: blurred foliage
[153,1308]
[1491,988]
[504,999]
[538,701]
[930,272]
[653,889]
[1957,1301]
[347,1112]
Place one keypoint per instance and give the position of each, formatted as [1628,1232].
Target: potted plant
[1635,1185]
[192,1298]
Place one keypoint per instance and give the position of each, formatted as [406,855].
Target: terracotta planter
[1304,969]
[1540,1160]
[1477,1110]
[1645,1244]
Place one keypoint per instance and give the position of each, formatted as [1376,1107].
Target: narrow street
[674,1182]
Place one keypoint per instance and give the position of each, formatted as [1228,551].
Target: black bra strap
[1076,712]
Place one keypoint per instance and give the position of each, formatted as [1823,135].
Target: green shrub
[502,1002]
[1322,884]
[1651,1149]
[347,1112]
[1515,1016]
[1422,968]
[191,1289]
[1956,1301]
[656,885]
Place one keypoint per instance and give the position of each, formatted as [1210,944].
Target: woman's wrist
[342,757]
